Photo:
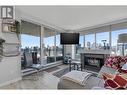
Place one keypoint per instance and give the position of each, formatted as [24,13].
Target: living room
[38,59]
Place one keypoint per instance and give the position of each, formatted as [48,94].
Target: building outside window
[90,41]
[59,48]
[30,42]
[116,47]
[102,41]
[79,48]
[49,45]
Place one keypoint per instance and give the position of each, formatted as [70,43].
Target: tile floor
[45,81]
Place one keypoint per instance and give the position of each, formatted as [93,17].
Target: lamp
[122,39]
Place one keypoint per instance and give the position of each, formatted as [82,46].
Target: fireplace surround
[93,61]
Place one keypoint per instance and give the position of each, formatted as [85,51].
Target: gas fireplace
[93,61]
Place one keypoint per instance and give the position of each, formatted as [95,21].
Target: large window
[79,48]
[30,43]
[116,47]
[90,41]
[59,48]
[49,45]
[52,49]
[102,40]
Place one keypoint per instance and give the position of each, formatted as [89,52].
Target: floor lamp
[122,38]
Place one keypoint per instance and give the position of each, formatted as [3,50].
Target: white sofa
[92,83]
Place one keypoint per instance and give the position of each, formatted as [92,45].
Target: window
[59,48]
[53,51]
[90,41]
[116,47]
[49,45]
[102,40]
[80,47]
[30,42]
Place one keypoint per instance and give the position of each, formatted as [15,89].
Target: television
[69,38]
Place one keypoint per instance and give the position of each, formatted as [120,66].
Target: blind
[96,30]
[30,28]
[119,26]
[107,28]
[48,32]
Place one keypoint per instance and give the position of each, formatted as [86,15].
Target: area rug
[62,72]
[66,70]
[52,69]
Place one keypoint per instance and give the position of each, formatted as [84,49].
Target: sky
[30,41]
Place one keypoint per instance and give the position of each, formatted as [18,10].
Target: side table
[77,65]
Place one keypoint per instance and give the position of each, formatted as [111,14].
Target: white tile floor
[45,81]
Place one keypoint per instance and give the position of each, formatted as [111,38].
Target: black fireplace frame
[86,65]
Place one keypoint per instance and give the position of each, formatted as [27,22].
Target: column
[55,45]
[84,43]
[110,38]
[95,41]
[42,57]
[73,51]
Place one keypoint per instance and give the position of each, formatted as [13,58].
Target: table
[75,64]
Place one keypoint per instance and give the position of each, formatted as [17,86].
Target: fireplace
[92,61]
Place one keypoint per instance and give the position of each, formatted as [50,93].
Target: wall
[10,67]
[69,49]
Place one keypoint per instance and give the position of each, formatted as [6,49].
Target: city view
[53,49]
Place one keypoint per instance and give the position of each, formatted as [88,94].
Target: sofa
[112,66]
[92,82]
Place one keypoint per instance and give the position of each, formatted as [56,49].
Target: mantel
[97,51]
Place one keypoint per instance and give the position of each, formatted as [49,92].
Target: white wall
[10,70]
[10,67]
[69,49]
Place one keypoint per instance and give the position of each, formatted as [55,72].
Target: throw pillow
[114,81]
[124,68]
[116,62]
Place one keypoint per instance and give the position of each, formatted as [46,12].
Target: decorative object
[122,39]
[104,42]
[88,45]
[11,25]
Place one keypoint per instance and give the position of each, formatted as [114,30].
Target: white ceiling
[75,17]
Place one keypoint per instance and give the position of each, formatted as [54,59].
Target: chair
[29,63]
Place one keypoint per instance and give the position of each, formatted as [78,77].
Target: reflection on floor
[46,81]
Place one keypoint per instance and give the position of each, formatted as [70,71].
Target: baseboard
[11,81]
